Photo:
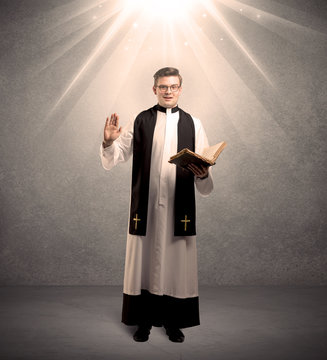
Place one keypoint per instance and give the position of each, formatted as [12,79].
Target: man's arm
[117,145]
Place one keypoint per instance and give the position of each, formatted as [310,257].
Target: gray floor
[236,323]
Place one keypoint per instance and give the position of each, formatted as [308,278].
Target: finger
[199,170]
[107,123]
[194,170]
[116,120]
[202,168]
[113,119]
[191,166]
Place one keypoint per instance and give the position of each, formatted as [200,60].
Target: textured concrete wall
[63,218]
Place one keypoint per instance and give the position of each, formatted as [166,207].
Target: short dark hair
[167,71]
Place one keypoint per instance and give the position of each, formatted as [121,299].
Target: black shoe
[142,334]
[175,335]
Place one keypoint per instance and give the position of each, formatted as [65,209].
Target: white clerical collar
[167,110]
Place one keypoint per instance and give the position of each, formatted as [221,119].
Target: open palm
[111,129]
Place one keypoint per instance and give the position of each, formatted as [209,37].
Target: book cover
[207,158]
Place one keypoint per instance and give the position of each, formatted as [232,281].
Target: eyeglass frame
[165,88]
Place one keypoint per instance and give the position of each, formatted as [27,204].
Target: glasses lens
[164,88]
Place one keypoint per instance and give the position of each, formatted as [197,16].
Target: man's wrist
[106,144]
[203,177]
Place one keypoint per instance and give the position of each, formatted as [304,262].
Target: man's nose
[168,90]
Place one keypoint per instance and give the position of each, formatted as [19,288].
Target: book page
[209,152]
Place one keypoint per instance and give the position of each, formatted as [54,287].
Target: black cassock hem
[160,310]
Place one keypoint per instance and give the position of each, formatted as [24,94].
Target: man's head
[167,86]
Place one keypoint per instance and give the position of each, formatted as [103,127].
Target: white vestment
[160,262]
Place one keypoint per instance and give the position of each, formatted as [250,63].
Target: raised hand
[111,130]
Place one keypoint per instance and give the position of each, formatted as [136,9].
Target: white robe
[160,262]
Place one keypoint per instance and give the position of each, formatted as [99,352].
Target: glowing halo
[166,10]
[177,25]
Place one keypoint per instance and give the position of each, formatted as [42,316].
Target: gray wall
[63,218]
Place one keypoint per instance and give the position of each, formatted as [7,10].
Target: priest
[160,279]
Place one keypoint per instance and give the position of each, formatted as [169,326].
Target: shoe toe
[175,335]
[141,335]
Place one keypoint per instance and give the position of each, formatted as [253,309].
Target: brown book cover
[207,158]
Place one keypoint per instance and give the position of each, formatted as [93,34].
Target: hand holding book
[200,171]
[208,158]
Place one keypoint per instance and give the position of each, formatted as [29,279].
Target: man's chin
[168,104]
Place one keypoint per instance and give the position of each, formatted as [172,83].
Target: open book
[207,158]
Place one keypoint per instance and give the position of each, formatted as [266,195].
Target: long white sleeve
[204,186]
[121,149]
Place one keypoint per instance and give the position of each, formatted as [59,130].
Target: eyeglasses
[164,88]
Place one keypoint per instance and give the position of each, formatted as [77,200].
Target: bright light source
[166,10]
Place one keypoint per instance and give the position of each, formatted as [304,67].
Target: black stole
[184,192]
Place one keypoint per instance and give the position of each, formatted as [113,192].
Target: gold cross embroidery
[185,221]
[136,220]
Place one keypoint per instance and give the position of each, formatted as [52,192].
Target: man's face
[167,97]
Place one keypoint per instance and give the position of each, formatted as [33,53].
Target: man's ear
[154,90]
